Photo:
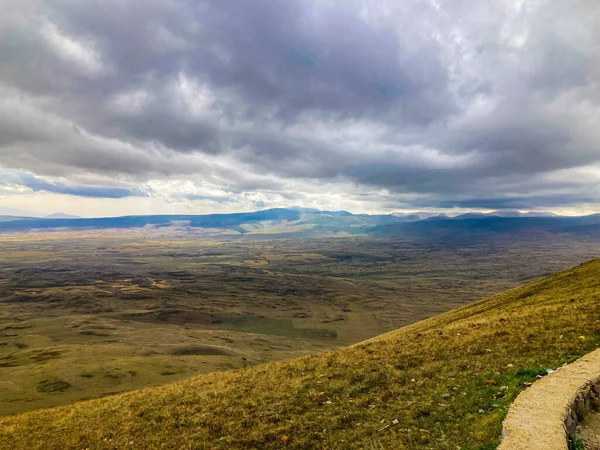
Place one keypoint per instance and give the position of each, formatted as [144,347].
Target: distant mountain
[320,212]
[19,213]
[62,216]
[414,216]
[474,226]
[5,211]
[307,223]
[477,215]
[293,222]
[225,221]
[13,218]
[527,214]
[441,216]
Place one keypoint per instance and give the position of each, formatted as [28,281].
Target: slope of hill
[443,383]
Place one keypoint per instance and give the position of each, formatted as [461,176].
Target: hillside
[442,383]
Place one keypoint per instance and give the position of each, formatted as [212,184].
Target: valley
[91,313]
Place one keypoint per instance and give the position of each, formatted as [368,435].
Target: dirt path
[588,431]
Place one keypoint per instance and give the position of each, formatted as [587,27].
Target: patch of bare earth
[588,431]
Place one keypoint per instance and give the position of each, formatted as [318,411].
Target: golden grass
[443,383]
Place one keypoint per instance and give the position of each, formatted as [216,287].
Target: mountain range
[304,222]
[8,213]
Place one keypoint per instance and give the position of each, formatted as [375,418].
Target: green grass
[443,383]
[53,385]
[575,444]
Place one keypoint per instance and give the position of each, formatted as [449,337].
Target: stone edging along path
[544,415]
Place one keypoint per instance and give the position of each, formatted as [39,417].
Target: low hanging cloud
[373,105]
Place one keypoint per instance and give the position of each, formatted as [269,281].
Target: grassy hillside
[443,383]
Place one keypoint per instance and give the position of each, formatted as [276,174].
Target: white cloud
[130,102]
[82,54]
[192,96]
[335,104]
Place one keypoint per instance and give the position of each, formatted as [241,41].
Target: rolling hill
[442,383]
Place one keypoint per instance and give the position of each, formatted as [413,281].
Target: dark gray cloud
[444,104]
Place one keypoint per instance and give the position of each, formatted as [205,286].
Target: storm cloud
[372,105]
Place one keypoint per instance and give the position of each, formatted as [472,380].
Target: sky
[115,107]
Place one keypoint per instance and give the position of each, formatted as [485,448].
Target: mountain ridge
[306,222]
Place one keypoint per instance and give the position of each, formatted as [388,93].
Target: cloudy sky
[111,107]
